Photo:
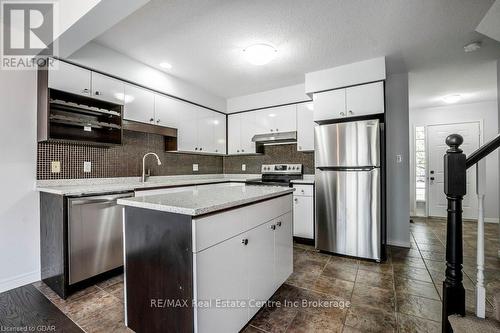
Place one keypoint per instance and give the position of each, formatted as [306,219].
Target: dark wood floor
[27,309]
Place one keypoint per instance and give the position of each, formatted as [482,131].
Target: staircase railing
[455,188]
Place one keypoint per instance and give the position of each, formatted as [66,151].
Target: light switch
[195,167]
[243,167]
[87,166]
[55,167]
[399,159]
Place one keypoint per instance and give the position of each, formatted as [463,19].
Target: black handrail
[483,151]
[455,188]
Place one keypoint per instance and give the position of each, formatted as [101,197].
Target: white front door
[437,148]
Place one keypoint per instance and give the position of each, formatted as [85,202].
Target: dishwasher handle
[100,199]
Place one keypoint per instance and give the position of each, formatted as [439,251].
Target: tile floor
[400,295]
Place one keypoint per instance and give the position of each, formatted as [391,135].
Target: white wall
[398,185]
[285,95]
[485,112]
[109,61]
[19,219]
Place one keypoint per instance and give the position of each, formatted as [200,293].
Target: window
[420,173]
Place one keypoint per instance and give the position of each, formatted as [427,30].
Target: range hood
[278,137]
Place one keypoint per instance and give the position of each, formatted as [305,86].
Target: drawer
[218,227]
[305,190]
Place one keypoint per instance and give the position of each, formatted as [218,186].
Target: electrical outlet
[243,167]
[195,167]
[87,166]
[55,166]
[399,159]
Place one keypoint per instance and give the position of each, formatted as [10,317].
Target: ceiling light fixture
[165,65]
[259,54]
[450,99]
[471,47]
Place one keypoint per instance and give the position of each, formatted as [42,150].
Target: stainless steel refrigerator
[348,209]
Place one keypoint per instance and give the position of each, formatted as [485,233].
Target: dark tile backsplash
[126,160]
[272,155]
[121,161]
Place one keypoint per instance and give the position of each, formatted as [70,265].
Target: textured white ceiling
[203,39]
[474,83]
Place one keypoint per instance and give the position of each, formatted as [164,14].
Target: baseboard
[19,280]
[491,220]
[398,243]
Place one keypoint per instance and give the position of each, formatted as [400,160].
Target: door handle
[431,180]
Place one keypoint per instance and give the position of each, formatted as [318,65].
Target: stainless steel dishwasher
[95,236]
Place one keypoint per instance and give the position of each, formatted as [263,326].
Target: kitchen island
[205,260]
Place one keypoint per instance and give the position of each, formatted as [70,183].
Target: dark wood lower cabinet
[159,271]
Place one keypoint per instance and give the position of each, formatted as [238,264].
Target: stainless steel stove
[278,174]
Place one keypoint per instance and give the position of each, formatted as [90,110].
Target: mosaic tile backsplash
[126,160]
[121,161]
[272,155]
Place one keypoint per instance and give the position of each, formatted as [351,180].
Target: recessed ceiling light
[259,54]
[165,65]
[450,99]
[471,47]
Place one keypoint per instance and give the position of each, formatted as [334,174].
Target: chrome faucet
[143,178]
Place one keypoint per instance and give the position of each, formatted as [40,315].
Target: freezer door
[348,144]
[348,216]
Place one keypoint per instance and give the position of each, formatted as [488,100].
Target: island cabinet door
[261,265]
[221,275]
[283,248]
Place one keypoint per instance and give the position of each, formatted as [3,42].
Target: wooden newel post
[455,189]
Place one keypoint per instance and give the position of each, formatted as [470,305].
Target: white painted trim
[398,243]
[19,280]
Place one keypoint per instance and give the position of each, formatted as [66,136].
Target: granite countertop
[124,184]
[202,201]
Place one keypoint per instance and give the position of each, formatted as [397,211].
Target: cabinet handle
[216,150]
[85,91]
[238,151]
[201,149]
[302,191]
[278,224]
[151,120]
[350,112]
[98,93]
[195,148]
[277,130]
[158,121]
[295,199]
[273,227]
[342,114]
[271,130]
[244,241]
[243,150]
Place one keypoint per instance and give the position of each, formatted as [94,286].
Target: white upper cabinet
[355,101]
[277,119]
[139,104]
[108,89]
[242,128]
[206,131]
[233,134]
[365,99]
[330,105]
[247,131]
[219,123]
[70,78]
[305,127]
[168,111]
